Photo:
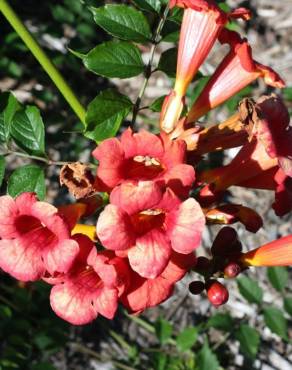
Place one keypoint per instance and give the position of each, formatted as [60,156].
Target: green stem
[47,161]
[148,70]
[42,58]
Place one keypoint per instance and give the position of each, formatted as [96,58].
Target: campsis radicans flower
[236,71]
[202,23]
[275,253]
[35,238]
[144,156]
[264,158]
[147,224]
[143,293]
[92,286]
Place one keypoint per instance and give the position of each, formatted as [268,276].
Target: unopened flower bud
[217,293]
[203,265]
[232,270]
[226,242]
[196,287]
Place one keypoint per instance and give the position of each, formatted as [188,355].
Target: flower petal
[150,255]
[8,214]
[59,257]
[185,226]
[72,302]
[20,260]
[107,302]
[110,155]
[134,198]
[114,228]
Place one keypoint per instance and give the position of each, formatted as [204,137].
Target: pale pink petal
[134,198]
[101,264]
[110,155]
[185,226]
[49,217]
[142,143]
[107,302]
[8,213]
[180,179]
[114,228]
[20,260]
[59,257]
[150,255]
[25,201]
[175,151]
[72,302]
[169,201]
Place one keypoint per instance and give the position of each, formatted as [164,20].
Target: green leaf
[187,338]
[278,277]
[27,178]
[2,169]
[123,21]
[206,359]
[5,312]
[105,114]
[149,5]
[276,322]
[156,106]
[163,329]
[8,107]
[249,340]
[28,130]
[167,62]
[250,290]
[160,361]
[287,92]
[288,305]
[115,59]
[221,321]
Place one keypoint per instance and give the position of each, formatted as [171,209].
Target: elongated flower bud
[276,253]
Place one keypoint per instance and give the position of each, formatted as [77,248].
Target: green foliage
[250,290]
[156,106]
[221,321]
[149,5]
[249,340]
[276,322]
[27,178]
[8,107]
[105,114]
[288,305]
[163,329]
[28,130]
[167,62]
[2,169]
[278,277]
[115,59]
[187,338]
[123,22]
[207,359]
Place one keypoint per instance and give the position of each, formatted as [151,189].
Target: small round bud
[217,293]
[196,287]
[232,270]
[203,264]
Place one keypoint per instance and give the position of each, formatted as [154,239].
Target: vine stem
[47,161]
[148,70]
[42,58]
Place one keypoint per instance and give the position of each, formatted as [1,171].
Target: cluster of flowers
[145,237]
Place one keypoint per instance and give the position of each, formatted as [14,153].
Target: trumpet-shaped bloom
[202,23]
[270,146]
[146,224]
[236,71]
[144,156]
[91,287]
[143,293]
[276,253]
[35,238]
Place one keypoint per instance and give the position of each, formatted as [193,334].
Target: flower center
[37,231]
[143,167]
[148,220]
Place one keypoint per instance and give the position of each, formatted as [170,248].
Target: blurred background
[185,332]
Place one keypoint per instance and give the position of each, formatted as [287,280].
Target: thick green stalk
[42,58]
